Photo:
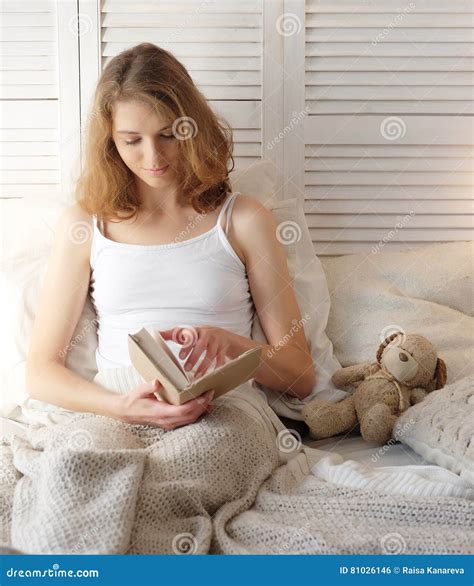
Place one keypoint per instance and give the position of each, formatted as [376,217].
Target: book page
[167,350]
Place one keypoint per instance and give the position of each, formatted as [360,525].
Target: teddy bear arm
[353,375]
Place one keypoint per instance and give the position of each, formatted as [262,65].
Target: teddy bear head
[412,360]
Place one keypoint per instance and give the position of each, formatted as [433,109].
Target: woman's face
[145,142]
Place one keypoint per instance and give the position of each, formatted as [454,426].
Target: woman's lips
[157,172]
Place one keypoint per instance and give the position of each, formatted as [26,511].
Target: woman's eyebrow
[135,132]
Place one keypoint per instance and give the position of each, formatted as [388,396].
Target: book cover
[153,358]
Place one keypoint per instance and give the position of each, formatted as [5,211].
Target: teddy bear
[406,370]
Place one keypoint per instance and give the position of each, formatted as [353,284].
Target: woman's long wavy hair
[106,186]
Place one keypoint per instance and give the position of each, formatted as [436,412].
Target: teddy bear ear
[385,343]
[441,374]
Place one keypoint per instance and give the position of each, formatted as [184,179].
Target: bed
[339,495]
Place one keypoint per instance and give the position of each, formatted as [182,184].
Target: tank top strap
[98,224]
[228,205]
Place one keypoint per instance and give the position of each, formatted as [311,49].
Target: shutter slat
[389,48]
[387,220]
[353,247]
[385,206]
[396,35]
[389,106]
[401,164]
[27,34]
[21,190]
[388,20]
[379,178]
[394,192]
[370,235]
[389,6]
[186,7]
[199,20]
[390,78]
[30,176]
[28,149]
[193,35]
[10,162]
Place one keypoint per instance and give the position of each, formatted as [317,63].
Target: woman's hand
[214,341]
[141,406]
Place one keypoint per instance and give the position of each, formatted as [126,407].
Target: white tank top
[199,281]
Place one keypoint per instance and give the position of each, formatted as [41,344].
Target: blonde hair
[147,73]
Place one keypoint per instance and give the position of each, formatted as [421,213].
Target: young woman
[167,245]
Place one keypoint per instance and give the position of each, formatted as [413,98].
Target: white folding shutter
[219,42]
[388,140]
[29,91]
[40,117]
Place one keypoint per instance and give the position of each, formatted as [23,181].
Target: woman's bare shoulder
[74,230]
[249,213]
[74,213]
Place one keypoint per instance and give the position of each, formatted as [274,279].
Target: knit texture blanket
[94,485]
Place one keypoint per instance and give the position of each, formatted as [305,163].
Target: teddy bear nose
[403,357]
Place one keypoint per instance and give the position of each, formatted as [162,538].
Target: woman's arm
[61,303]
[279,366]
[286,361]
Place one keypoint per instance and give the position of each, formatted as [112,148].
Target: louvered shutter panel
[220,43]
[29,90]
[388,140]
[39,138]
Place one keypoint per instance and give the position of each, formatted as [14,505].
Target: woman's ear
[440,375]
[385,343]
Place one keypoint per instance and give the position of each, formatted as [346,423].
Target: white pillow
[441,428]
[262,180]
[425,291]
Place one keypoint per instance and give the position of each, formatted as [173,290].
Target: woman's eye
[138,140]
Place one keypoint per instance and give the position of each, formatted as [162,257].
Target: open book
[154,359]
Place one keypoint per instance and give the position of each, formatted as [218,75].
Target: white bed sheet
[352,462]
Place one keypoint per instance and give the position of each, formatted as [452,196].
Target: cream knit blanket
[231,483]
